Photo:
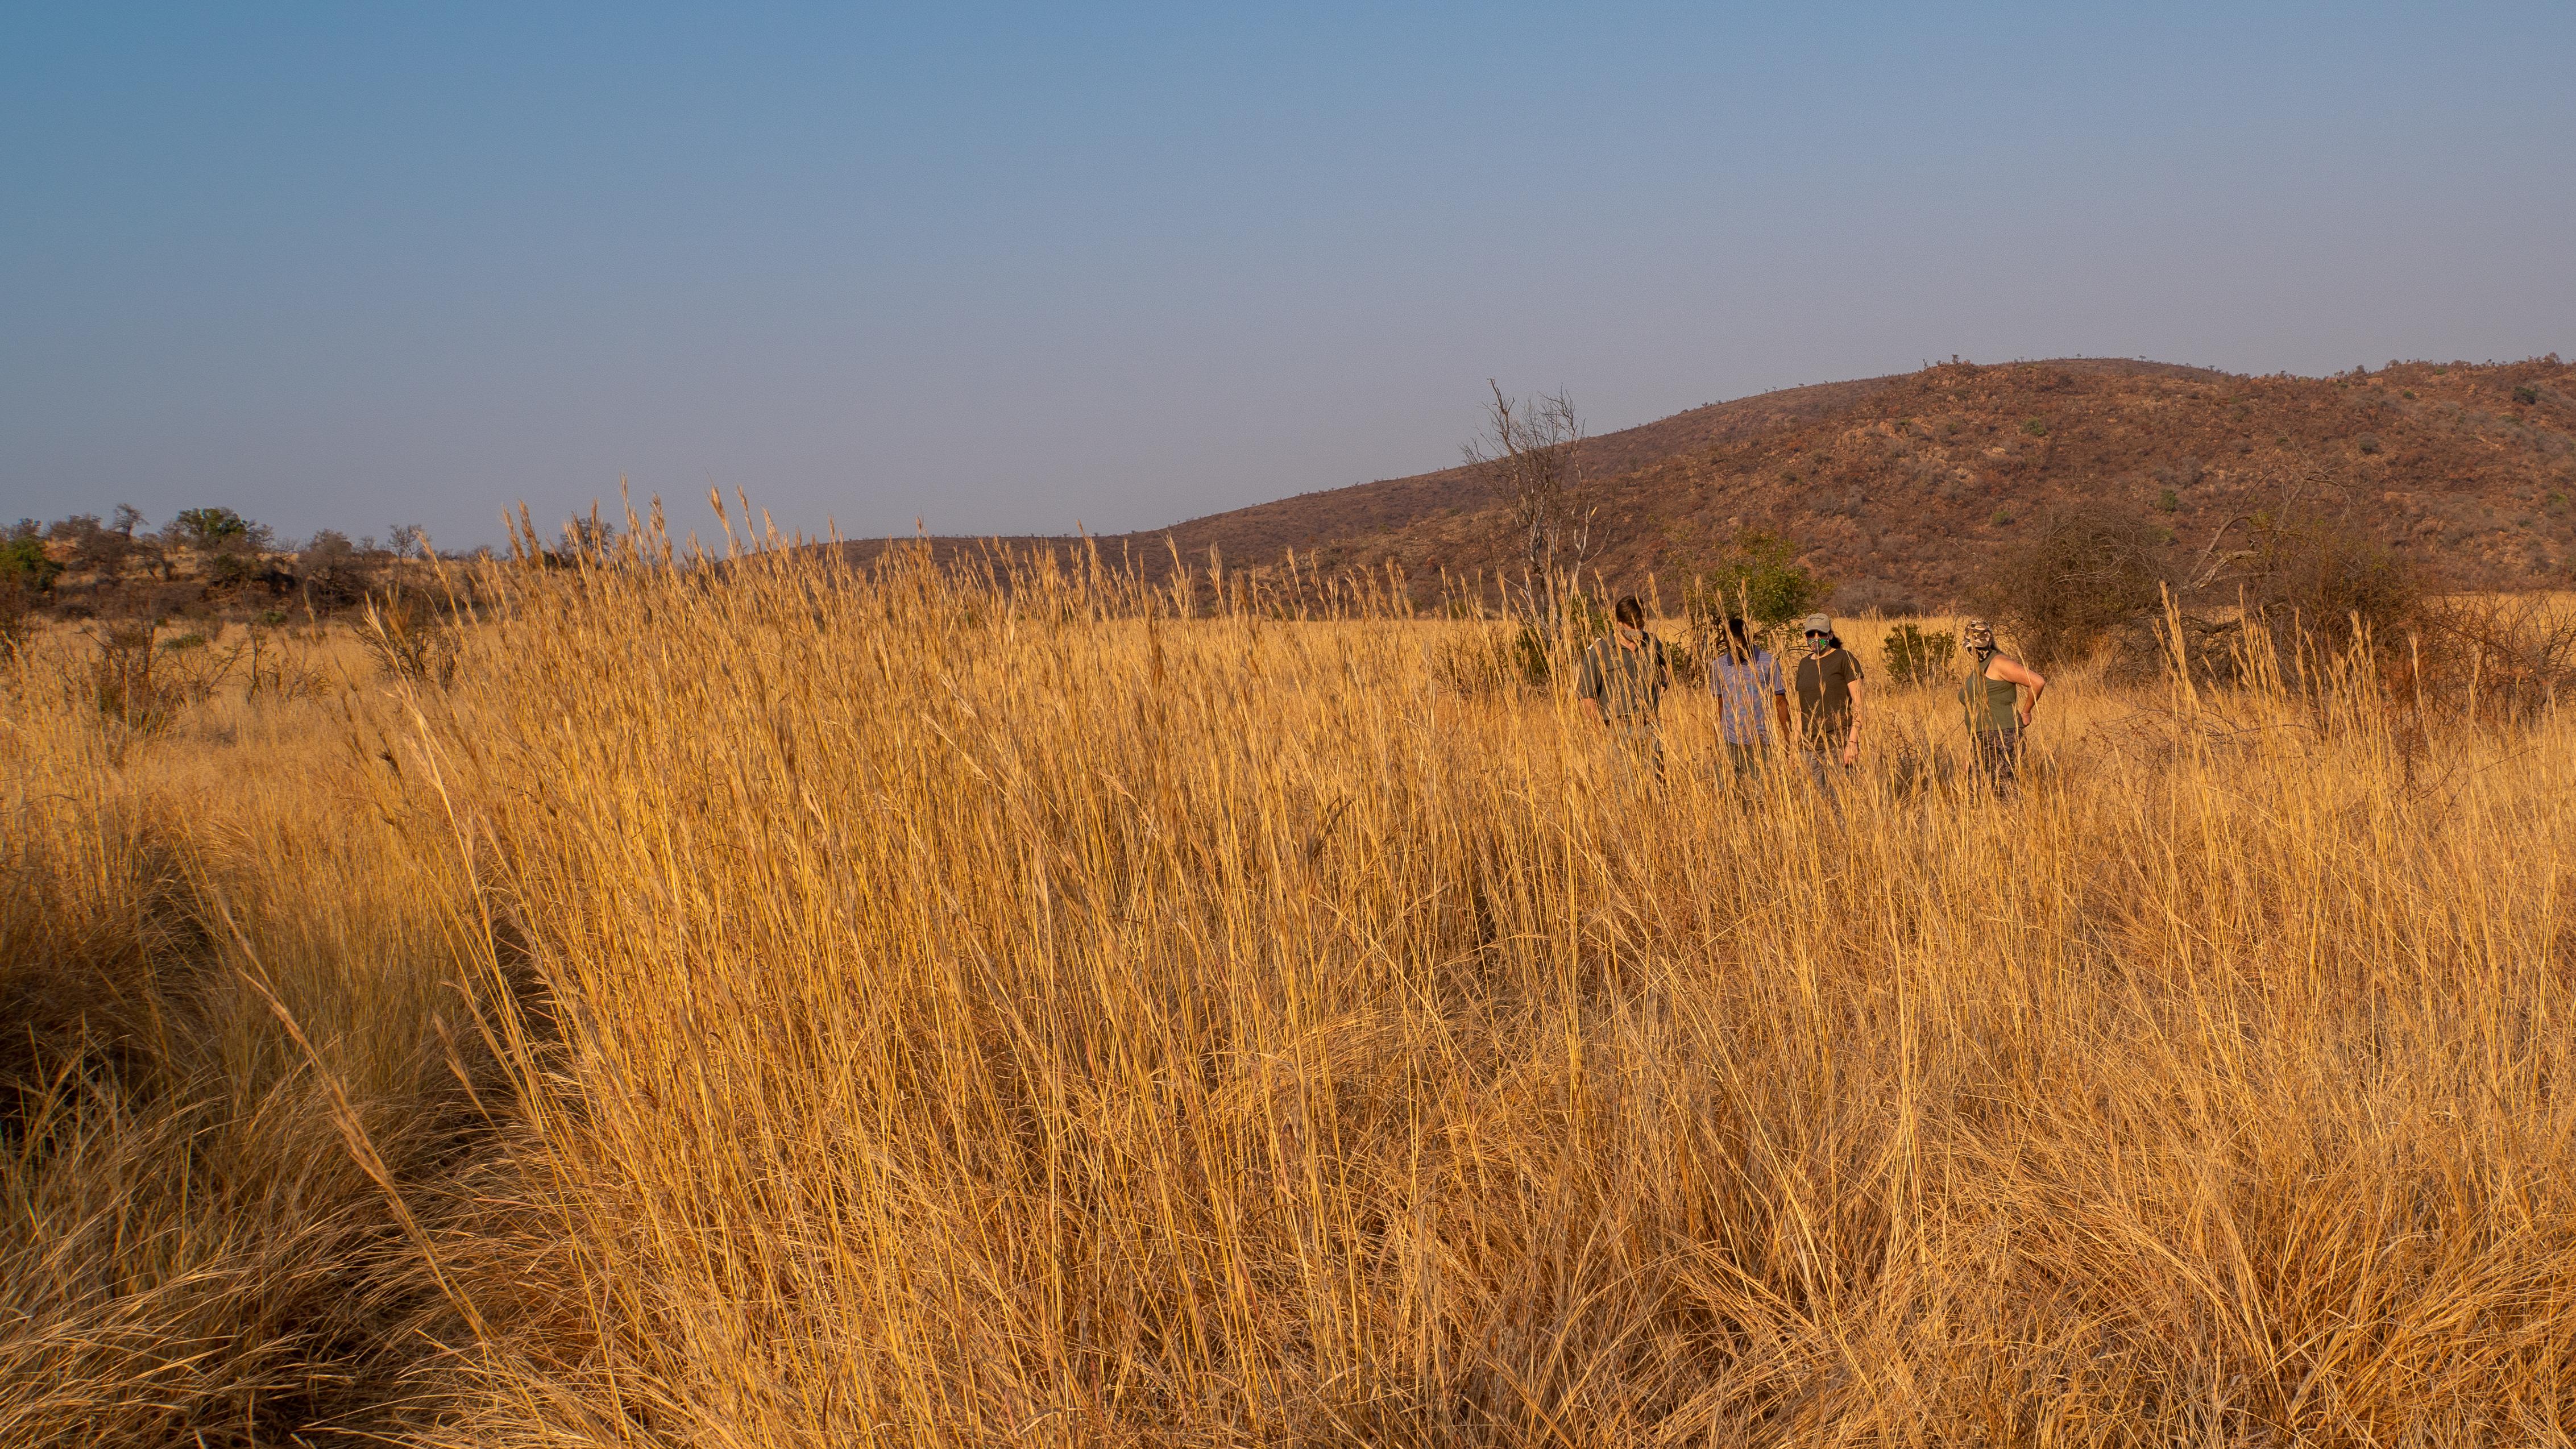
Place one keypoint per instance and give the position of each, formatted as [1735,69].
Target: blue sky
[1005,268]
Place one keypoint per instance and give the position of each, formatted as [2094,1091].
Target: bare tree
[1530,455]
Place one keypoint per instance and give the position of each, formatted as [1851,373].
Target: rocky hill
[1902,487]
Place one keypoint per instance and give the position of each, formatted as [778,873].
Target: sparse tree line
[202,562]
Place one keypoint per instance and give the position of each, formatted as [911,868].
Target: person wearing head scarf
[1993,700]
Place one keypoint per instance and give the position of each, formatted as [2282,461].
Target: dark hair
[1735,626]
[1629,612]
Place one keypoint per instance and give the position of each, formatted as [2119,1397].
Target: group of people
[1624,675]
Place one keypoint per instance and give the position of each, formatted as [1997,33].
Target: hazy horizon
[1006,270]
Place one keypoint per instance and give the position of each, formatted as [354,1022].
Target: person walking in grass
[1832,701]
[1622,683]
[1996,708]
[1745,677]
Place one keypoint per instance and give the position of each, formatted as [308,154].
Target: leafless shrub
[278,667]
[411,637]
[2180,473]
[2322,587]
[2079,574]
[1530,456]
[122,681]
[140,681]
[332,573]
[2501,658]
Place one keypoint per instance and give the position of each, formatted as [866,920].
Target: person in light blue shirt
[1741,673]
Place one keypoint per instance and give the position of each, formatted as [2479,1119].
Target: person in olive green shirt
[1831,700]
[1621,683]
[1996,710]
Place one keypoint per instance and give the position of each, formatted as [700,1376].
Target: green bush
[2036,427]
[209,527]
[23,559]
[2526,394]
[2168,501]
[1762,580]
[1916,655]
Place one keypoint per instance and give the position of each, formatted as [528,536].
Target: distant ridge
[1902,486]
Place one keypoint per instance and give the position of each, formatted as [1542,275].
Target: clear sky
[1005,268]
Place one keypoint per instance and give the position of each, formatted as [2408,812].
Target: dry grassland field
[790,1005]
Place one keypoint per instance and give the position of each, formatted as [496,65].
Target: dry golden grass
[796,1008]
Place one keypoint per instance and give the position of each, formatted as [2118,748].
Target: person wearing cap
[1831,699]
[1997,711]
[1745,677]
[1621,681]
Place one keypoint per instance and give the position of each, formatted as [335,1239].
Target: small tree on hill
[1760,578]
[23,560]
[218,530]
[1530,455]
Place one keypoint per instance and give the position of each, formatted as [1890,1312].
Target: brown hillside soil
[1902,487]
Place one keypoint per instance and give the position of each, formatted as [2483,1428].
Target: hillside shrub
[2077,574]
[13,616]
[2325,580]
[1761,580]
[1916,655]
[23,561]
[334,573]
[217,528]
[123,688]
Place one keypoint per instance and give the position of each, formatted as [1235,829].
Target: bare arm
[1780,702]
[2013,671]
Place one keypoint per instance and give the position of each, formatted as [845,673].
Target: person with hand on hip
[1832,700]
[1997,710]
